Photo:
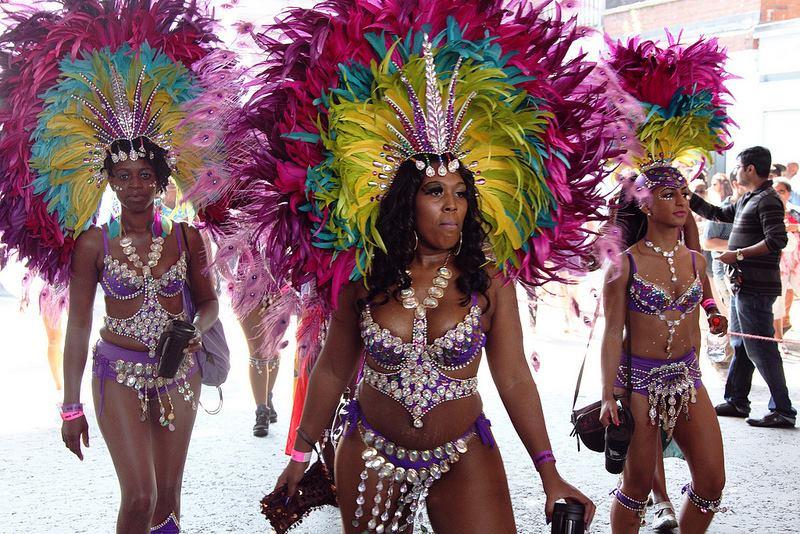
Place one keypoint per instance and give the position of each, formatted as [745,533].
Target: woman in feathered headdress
[413,157]
[124,94]
[677,98]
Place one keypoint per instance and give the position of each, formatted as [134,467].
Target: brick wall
[776,10]
[706,16]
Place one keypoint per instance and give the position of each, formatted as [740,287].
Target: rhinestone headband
[437,130]
[121,119]
[658,171]
[133,155]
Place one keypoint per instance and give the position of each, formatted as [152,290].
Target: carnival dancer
[264,359]
[263,317]
[676,101]
[52,302]
[400,140]
[124,94]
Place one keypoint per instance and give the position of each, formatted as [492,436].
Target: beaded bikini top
[417,379]
[121,282]
[652,299]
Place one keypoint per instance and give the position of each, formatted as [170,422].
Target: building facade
[763,42]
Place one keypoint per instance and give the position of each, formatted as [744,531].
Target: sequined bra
[652,299]
[121,282]
[417,379]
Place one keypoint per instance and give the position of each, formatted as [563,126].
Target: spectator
[777,170]
[715,240]
[791,170]
[790,260]
[754,250]
[720,188]
[698,186]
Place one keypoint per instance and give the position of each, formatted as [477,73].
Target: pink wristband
[301,457]
[708,303]
[543,458]
[69,416]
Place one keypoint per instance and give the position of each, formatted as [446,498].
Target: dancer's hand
[561,489]
[72,432]
[718,324]
[291,477]
[609,412]
[194,345]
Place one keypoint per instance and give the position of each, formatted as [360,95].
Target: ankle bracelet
[632,504]
[704,505]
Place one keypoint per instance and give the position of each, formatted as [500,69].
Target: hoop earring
[416,241]
[460,239]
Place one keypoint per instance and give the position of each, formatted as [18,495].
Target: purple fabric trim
[483,427]
[169,527]
[178,236]
[106,354]
[648,364]
[353,415]
[664,176]
[628,502]
[633,262]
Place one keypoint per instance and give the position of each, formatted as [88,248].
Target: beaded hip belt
[669,388]
[386,459]
[404,475]
[128,369]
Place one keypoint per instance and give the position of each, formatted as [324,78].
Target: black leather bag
[585,421]
[175,337]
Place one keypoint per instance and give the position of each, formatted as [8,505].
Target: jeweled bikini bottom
[136,370]
[407,474]
[669,385]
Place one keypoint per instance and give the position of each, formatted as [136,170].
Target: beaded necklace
[147,324]
[669,255]
[435,292]
[156,246]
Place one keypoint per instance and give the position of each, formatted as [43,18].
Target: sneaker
[726,409]
[273,415]
[664,516]
[261,428]
[772,420]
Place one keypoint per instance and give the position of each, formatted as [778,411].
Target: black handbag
[586,426]
[175,337]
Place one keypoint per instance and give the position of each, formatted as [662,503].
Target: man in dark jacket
[753,258]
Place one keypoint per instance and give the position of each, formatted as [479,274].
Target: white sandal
[664,516]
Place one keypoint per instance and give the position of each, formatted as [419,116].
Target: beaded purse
[316,489]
